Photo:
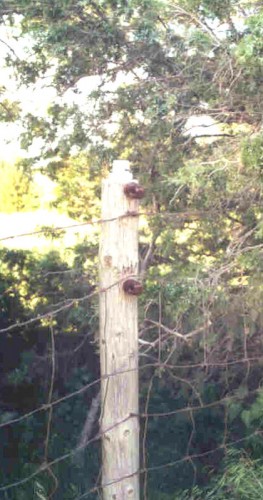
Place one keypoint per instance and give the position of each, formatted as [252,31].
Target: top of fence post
[121,171]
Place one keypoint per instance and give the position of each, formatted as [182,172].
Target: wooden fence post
[118,261]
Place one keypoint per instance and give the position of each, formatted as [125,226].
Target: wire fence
[156,362]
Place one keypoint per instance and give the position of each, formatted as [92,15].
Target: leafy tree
[17,191]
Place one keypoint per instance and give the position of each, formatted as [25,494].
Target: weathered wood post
[118,261]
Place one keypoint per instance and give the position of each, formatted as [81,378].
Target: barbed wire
[65,456]
[70,302]
[157,366]
[172,464]
[93,222]
[46,466]
[66,304]
[64,228]
[147,415]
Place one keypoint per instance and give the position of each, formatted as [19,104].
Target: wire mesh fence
[184,412]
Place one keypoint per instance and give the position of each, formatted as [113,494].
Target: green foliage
[41,282]
[240,481]
[18,375]
[208,433]
[78,187]
[17,192]
[211,9]
[30,283]
[9,111]
[252,418]
[242,478]
[250,48]
[252,155]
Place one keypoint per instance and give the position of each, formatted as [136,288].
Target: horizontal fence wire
[45,466]
[189,409]
[157,366]
[93,222]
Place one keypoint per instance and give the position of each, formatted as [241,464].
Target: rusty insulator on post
[134,190]
[132,286]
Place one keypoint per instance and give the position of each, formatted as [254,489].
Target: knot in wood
[134,190]
[132,286]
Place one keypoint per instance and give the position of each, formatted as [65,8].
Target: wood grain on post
[118,260]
